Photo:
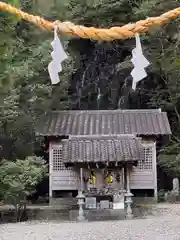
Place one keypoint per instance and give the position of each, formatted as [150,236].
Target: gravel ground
[164,227]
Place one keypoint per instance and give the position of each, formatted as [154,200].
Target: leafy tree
[18,180]
[26,91]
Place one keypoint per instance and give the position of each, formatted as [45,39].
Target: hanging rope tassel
[68,28]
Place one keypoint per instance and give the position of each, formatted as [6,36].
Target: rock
[175,190]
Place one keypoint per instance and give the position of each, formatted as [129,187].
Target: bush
[18,180]
[161,195]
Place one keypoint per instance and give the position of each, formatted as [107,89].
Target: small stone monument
[118,200]
[90,202]
[175,190]
[104,204]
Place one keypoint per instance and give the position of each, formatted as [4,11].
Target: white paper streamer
[139,62]
[58,56]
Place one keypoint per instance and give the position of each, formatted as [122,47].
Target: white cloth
[58,56]
[139,62]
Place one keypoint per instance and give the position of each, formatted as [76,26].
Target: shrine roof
[104,122]
[100,149]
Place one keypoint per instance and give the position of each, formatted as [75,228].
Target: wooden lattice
[146,162]
[57,160]
[58,164]
[62,177]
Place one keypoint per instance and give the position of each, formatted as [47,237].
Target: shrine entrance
[104,165]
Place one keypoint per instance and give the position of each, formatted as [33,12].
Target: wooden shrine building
[104,154]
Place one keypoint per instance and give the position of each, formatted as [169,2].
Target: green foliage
[18,179]
[169,158]
[161,195]
[25,88]
[97,12]
[96,75]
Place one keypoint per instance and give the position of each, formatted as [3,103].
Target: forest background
[95,76]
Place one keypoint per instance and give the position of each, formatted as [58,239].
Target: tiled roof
[102,149]
[104,122]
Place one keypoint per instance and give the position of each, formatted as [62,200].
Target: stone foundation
[47,213]
[64,203]
[109,214]
[39,214]
[71,203]
[172,198]
[144,200]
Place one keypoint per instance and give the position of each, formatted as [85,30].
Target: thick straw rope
[68,28]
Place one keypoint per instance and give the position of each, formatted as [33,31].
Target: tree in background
[26,90]
[18,180]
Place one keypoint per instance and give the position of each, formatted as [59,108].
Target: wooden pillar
[50,169]
[128,179]
[81,180]
[154,165]
[125,177]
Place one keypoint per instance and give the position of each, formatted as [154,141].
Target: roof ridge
[108,111]
[102,135]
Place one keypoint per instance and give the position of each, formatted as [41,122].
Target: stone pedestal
[129,202]
[90,203]
[81,203]
[128,194]
[118,200]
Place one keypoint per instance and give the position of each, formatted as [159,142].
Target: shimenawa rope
[68,28]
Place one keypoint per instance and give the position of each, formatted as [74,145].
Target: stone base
[144,200]
[99,214]
[129,216]
[64,203]
[119,205]
[110,214]
[43,213]
[39,214]
[173,198]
